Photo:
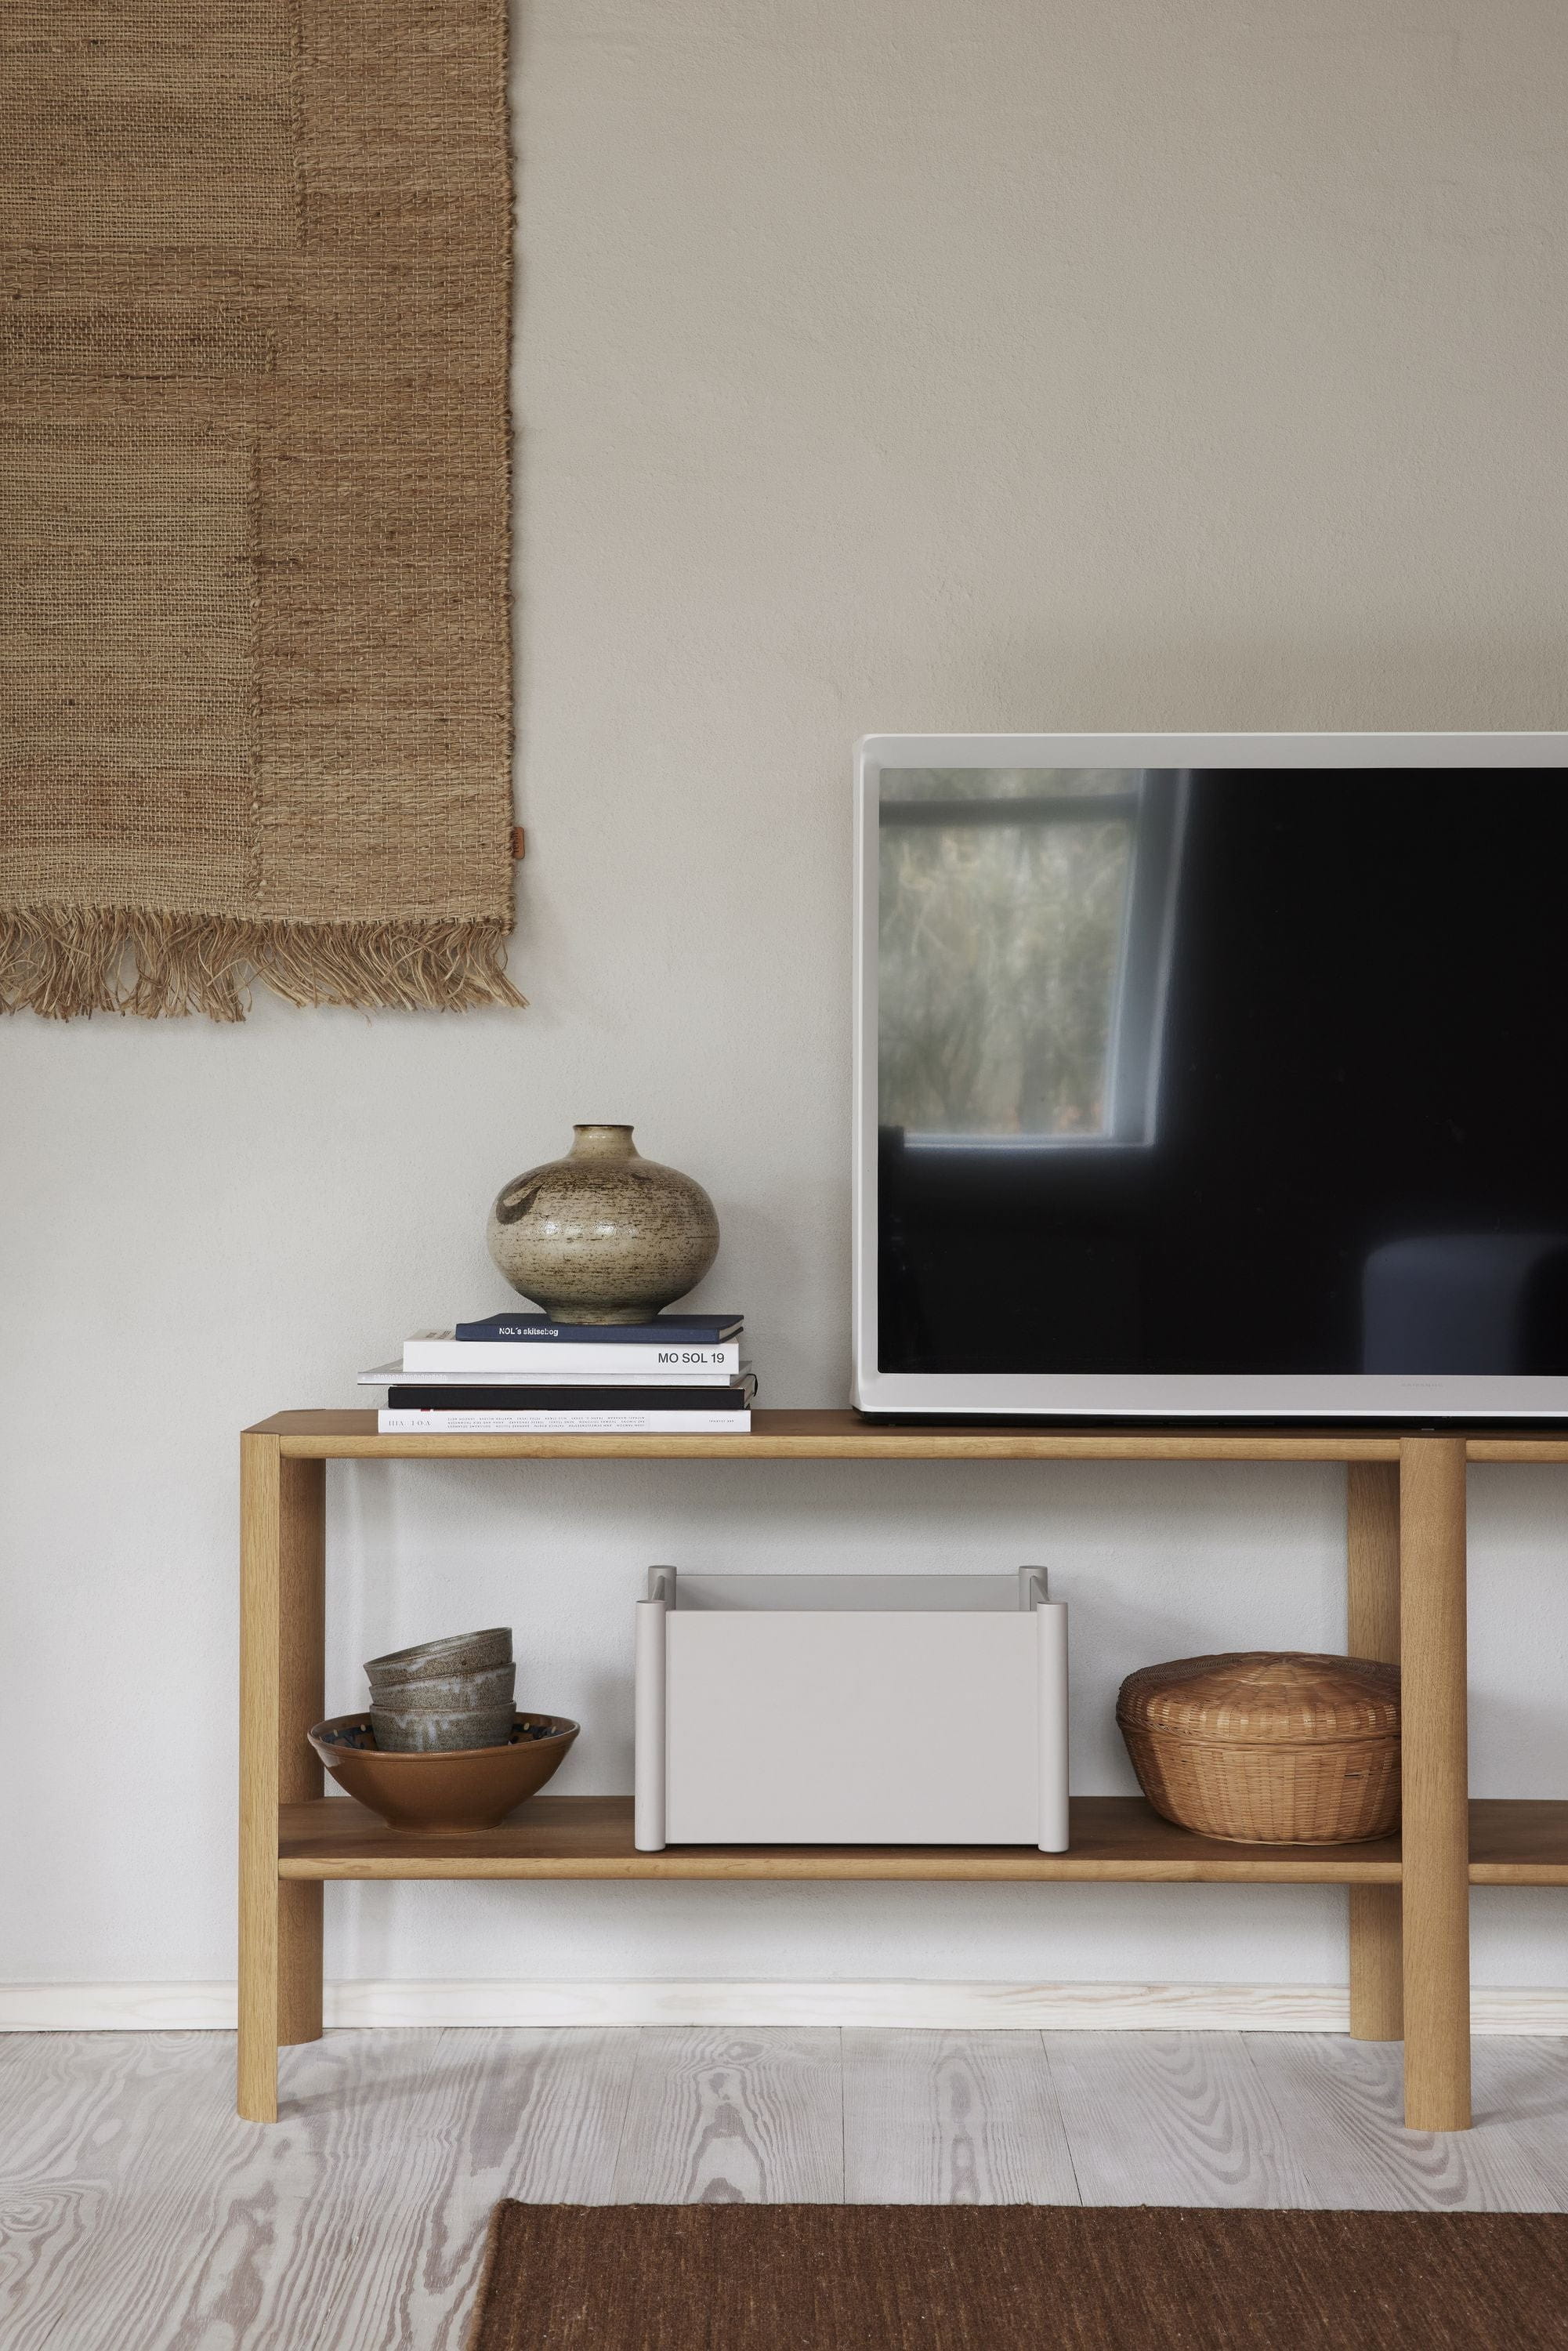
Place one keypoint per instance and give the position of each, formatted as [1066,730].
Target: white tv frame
[1114,1396]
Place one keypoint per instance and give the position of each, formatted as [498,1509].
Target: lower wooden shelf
[1113,1837]
[1517,1842]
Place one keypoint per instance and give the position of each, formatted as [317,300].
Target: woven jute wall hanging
[255,655]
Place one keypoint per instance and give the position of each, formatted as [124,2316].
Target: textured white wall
[1085,365]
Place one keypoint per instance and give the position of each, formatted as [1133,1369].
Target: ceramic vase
[603,1235]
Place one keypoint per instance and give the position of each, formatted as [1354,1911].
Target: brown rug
[254,620]
[864,2277]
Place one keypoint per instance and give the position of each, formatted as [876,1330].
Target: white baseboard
[932,2007]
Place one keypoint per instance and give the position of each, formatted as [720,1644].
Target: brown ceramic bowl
[474,1789]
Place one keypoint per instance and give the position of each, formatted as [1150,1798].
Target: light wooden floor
[136,2214]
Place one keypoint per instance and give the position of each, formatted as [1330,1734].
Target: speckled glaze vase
[603,1235]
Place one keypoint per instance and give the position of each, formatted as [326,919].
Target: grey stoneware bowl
[489,1686]
[457,1653]
[402,1732]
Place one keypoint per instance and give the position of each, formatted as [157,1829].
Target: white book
[477,1361]
[387,1375]
[563,1424]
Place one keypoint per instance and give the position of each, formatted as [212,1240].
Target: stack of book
[521,1374]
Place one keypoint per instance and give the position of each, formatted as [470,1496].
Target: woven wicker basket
[1267,1745]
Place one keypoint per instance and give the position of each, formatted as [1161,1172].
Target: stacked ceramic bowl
[443,1696]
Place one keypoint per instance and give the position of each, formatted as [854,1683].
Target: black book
[734,1397]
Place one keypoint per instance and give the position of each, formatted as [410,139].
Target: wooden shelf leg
[1372,1624]
[282,1642]
[1435,1776]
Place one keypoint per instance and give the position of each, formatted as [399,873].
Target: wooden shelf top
[846,1436]
[1113,1838]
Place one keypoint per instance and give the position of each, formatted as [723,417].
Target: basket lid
[1264,1697]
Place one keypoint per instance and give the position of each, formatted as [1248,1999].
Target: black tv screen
[1243,1075]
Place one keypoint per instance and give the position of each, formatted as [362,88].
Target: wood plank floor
[135,2210]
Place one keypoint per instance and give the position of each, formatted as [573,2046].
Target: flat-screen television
[1220,1076]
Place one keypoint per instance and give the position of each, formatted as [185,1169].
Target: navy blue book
[665,1330]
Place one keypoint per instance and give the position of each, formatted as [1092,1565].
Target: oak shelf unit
[1406,1586]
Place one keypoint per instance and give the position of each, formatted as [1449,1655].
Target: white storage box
[851,1709]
